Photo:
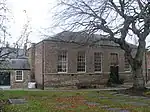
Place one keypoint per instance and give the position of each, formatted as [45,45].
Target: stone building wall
[20,84]
[46,61]
[65,80]
[31,58]
[38,63]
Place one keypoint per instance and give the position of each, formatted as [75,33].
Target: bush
[114,79]
[83,85]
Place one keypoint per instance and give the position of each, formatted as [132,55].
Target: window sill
[19,81]
[81,72]
[98,72]
[62,72]
[127,71]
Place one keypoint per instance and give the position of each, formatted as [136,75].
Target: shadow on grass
[135,92]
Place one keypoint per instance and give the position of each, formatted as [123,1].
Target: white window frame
[85,62]
[117,58]
[125,64]
[101,62]
[16,76]
[63,61]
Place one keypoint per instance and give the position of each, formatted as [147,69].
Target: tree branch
[135,30]
[117,10]
[140,4]
[122,4]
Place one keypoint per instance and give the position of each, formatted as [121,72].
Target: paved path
[54,89]
[51,89]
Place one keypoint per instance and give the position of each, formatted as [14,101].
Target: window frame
[16,76]
[101,54]
[129,69]
[62,62]
[82,62]
[117,58]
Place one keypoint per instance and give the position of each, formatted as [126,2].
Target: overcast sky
[37,12]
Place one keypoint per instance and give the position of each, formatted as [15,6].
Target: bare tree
[23,40]
[6,50]
[4,34]
[117,19]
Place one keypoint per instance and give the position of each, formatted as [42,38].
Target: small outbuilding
[14,73]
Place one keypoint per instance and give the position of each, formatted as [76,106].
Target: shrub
[83,85]
[114,79]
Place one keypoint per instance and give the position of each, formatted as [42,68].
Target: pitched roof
[84,38]
[81,37]
[15,64]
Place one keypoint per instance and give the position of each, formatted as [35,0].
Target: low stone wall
[126,76]
[64,80]
[71,80]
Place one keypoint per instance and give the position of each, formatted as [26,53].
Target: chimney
[25,49]
[32,61]
[7,45]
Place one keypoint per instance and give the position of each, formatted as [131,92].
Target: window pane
[98,61]
[62,61]
[127,65]
[114,59]
[81,61]
[19,75]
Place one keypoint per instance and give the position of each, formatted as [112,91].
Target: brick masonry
[46,63]
[148,64]
[73,79]
[20,84]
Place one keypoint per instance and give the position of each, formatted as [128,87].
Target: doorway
[4,78]
[114,74]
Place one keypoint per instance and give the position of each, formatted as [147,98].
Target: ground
[75,101]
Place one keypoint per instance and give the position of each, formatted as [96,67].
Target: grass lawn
[74,101]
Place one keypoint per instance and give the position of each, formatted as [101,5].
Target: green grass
[68,101]
[148,93]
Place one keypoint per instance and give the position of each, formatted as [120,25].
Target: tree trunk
[138,79]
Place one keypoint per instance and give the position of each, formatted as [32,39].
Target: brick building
[14,68]
[62,61]
[148,65]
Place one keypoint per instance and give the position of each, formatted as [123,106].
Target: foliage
[83,85]
[114,79]
[148,93]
